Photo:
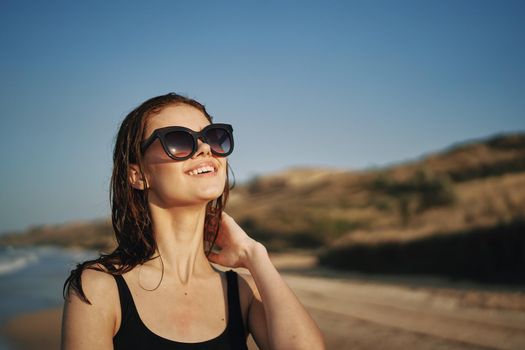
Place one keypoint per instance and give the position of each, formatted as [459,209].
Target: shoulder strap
[235,324]
[126,300]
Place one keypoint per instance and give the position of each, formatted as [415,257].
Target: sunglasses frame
[162,132]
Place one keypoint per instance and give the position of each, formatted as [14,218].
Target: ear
[135,178]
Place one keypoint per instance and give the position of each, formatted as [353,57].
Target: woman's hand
[234,243]
[291,326]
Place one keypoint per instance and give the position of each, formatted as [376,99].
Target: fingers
[226,216]
[228,219]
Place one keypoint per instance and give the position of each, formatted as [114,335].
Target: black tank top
[134,335]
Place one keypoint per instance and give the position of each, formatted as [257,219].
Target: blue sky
[346,84]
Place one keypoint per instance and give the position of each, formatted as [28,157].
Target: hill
[96,234]
[471,187]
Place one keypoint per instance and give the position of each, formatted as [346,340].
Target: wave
[12,260]
[15,259]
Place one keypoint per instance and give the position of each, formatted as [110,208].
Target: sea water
[31,278]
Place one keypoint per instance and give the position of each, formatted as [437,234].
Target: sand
[363,312]
[43,326]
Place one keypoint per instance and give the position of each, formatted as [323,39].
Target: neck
[179,235]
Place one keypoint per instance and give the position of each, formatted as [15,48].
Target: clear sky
[346,84]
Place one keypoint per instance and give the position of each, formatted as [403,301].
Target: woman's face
[169,181]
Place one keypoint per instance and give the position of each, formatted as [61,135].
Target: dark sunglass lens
[179,143]
[219,140]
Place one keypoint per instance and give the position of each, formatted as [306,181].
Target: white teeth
[201,170]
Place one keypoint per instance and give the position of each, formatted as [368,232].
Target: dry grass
[465,188]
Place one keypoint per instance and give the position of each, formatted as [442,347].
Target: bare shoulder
[90,326]
[98,285]
[101,291]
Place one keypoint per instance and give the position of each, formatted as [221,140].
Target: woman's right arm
[85,326]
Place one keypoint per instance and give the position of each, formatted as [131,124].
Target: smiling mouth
[202,172]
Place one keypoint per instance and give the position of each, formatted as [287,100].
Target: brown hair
[130,215]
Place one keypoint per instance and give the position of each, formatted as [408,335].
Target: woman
[157,289]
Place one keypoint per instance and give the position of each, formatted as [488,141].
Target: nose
[202,148]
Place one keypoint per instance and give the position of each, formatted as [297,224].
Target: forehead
[176,115]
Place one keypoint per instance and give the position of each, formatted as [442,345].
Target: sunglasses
[180,143]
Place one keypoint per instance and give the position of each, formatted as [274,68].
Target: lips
[206,167]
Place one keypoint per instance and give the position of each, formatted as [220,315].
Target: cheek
[224,164]
[163,175]
[224,171]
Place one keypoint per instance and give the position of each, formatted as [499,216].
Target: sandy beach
[364,312]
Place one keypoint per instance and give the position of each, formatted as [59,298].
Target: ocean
[31,279]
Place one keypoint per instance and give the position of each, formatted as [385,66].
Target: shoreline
[358,312]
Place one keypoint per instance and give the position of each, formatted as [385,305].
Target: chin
[210,192]
[209,196]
